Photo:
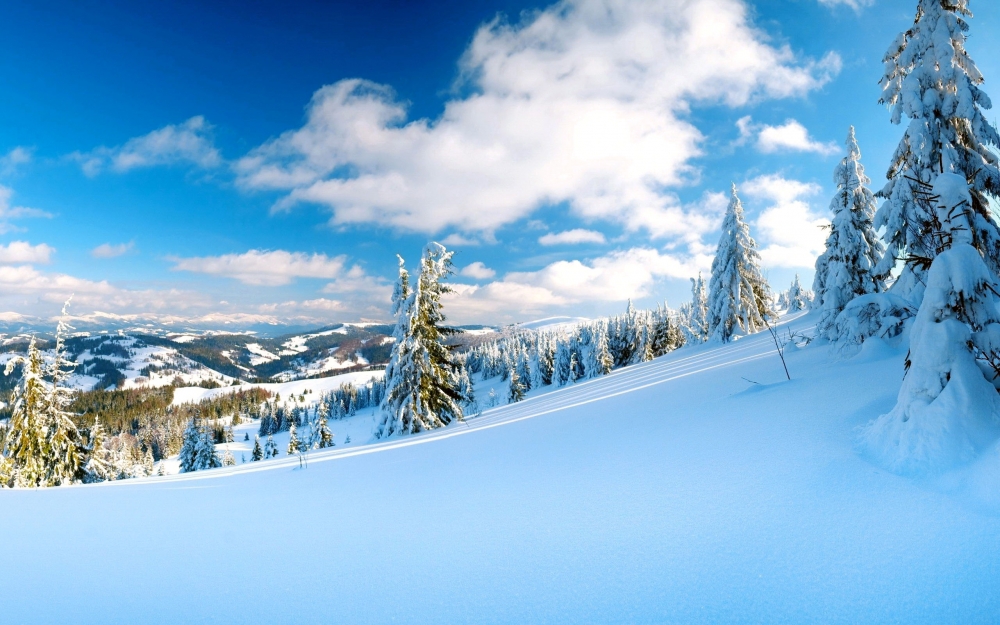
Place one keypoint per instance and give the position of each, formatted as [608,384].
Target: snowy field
[675,491]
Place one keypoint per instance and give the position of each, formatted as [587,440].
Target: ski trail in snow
[619,382]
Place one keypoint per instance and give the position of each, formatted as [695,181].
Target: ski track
[667,368]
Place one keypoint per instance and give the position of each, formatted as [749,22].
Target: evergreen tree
[738,296]
[294,446]
[205,456]
[270,448]
[422,376]
[562,369]
[516,390]
[696,320]
[321,431]
[948,404]
[796,298]
[227,459]
[189,448]
[930,78]
[258,453]
[846,269]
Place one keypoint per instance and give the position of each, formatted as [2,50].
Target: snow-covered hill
[701,487]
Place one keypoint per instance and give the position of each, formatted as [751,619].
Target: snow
[260,355]
[674,491]
[552,324]
[316,387]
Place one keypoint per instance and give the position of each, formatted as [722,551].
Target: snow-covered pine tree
[738,295]
[516,389]
[696,317]
[24,442]
[189,447]
[948,408]
[930,79]
[796,298]
[846,269]
[205,456]
[294,445]
[258,452]
[227,459]
[270,448]
[421,377]
[563,367]
[322,436]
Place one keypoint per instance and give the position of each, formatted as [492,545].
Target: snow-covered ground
[312,389]
[698,488]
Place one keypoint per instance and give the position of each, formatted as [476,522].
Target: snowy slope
[670,492]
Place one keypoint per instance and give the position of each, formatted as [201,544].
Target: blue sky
[266,161]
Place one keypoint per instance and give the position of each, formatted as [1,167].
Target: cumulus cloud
[792,234]
[190,143]
[107,250]
[614,277]
[581,103]
[568,237]
[478,271]
[266,268]
[22,252]
[790,136]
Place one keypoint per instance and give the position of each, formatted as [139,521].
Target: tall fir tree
[846,269]
[258,452]
[738,295]
[930,79]
[422,375]
[947,407]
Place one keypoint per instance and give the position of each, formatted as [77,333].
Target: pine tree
[321,431]
[696,319]
[422,376]
[270,448]
[347,441]
[846,269]
[205,456]
[947,406]
[563,366]
[189,447]
[294,446]
[796,297]
[227,459]
[930,78]
[258,453]
[738,295]
[516,390]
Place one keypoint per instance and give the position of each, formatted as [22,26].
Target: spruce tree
[846,269]
[322,435]
[422,375]
[515,392]
[270,448]
[930,79]
[738,295]
[189,447]
[947,408]
[294,446]
[696,319]
[258,453]
[796,297]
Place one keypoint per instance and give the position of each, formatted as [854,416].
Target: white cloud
[457,240]
[790,136]
[615,277]
[265,268]
[190,142]
[857,5]
[478,271]
[792,233]
[11,161]
[568,237]
[22,252]
[9,211]
[107,250]
[581,103]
